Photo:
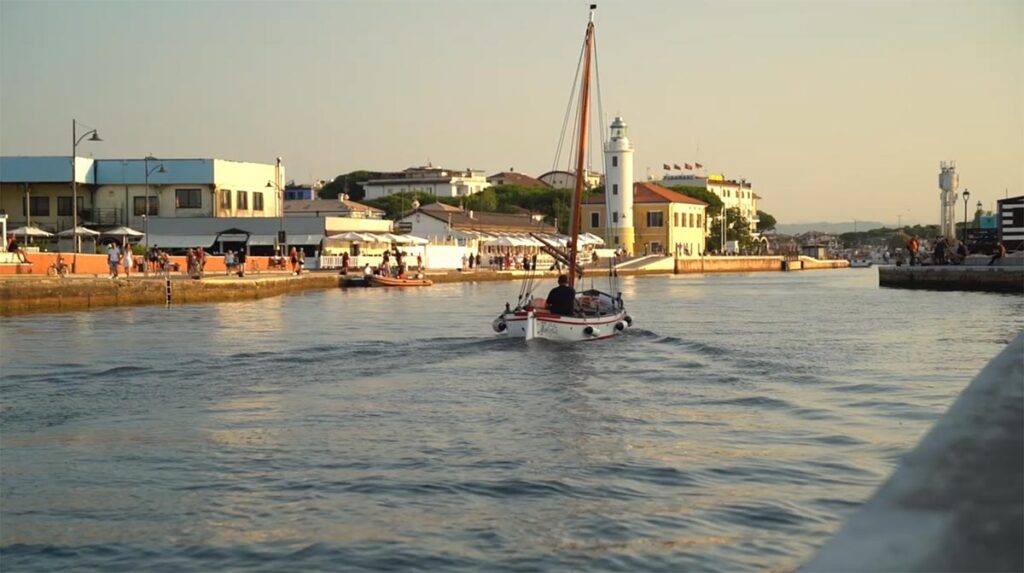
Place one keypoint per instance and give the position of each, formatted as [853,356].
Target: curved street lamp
[145,215]
[75,140]
[967,195]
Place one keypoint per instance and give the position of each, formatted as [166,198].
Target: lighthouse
[618,188]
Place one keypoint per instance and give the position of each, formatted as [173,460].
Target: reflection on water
[733,429]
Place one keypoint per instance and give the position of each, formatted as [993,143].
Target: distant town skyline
[835,111]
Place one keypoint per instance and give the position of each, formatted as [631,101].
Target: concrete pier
[956,502]
[1008,279]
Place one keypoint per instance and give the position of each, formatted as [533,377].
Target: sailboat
[596,314]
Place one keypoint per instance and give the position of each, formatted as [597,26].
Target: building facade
[38,191]
[436,181]
[735,194]
[664,222]
[440,223]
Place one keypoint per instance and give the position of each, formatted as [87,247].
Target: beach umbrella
[78,231]
[123,232]
[30,232]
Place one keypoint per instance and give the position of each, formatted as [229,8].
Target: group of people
[118,258]
[943,253]
[234,262]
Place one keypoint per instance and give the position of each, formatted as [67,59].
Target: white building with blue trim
[37,190]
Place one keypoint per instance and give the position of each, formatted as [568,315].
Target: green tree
[765,222]
[714,202]
[351,183]
[400,204]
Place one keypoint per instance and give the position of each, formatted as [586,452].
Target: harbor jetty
[1007,276]
[956,502]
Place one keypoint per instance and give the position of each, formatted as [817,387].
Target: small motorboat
[379,281]
[860,263]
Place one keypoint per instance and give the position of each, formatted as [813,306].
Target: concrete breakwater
[753,264]
[972,278]
[48,295]
[956,502]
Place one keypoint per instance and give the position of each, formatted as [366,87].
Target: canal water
[733,429]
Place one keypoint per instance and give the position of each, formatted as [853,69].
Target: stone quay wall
[750,264]
[55,294]
[968,278]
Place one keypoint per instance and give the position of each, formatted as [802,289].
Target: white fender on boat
[629,320]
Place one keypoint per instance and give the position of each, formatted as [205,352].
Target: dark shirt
[561,300]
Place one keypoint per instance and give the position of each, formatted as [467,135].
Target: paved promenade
[956,502]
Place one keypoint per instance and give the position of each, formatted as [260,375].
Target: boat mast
[580,149]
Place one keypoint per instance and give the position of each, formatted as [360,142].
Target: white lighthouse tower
[948,183]
[618,188]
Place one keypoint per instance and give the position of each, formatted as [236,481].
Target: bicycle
[57,269]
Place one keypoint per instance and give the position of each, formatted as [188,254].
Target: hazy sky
[835,110]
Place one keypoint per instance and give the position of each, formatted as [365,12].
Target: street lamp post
[276,184]
[145,216]
[967,195]
[75,140]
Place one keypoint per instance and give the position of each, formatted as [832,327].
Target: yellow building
[663,222]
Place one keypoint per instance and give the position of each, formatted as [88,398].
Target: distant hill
[830,228]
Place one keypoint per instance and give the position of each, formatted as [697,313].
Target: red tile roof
[513,178]
[649,193]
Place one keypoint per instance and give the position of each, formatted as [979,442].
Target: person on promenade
[229,262]
[14,247]
[463,262]
[913,245]
[562,298]
[961,253]
[293,259]
[419,263]
[113,259]
[478,259]
[300,258]
[240,262]
[127,260]
[345,260]
[999,253]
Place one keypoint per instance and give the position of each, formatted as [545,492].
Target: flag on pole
[676,165]
[666,166]
[688,166]
[699,166]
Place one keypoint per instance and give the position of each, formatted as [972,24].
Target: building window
[243,200]
[615,216]
[40,206]
[675,219]
[257,201]
[139,206]
[595,220]
[616,239]
[691,220]
[655,219]
[615,188]
[615,160]
[698,221]
[64,206]
[225,199]
[188,198]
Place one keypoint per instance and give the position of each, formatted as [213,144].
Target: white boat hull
[530,325]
